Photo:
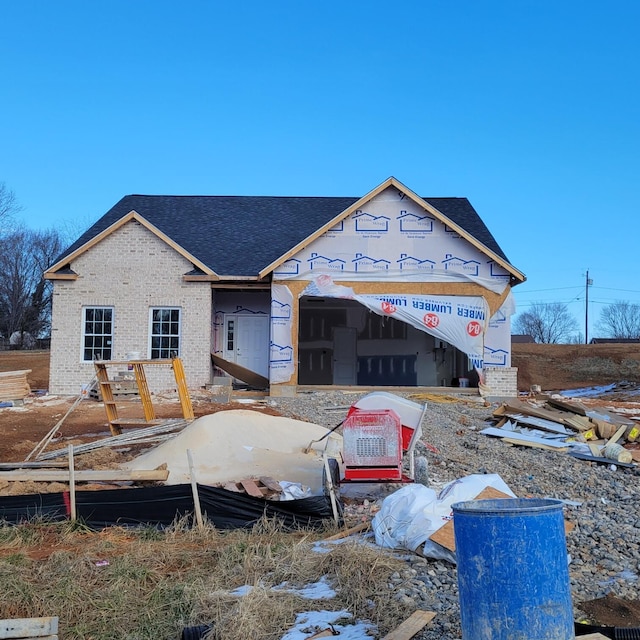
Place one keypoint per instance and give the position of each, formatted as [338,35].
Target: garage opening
[342,343]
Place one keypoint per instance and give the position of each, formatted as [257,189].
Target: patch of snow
[320,590]
[311,622]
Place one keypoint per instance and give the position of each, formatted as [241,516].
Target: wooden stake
[72,483]
[194,490]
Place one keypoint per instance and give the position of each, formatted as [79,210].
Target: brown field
[552,366]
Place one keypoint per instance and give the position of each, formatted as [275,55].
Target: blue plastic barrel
[513,574]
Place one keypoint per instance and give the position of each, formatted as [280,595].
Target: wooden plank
[194,490]
[242,373]
[445,536]
[29,627]
[5,375]
[617,435]
[412,625]
[183,390]
[363,526]
[271,484]
[87,475]
[251,488]
[595,449]
[515,406]
[14,385]
[579,423]
[568,405]
[519,441]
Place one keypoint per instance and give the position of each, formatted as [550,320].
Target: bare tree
[620,320]
[548,323]
[8,207]
[25,296]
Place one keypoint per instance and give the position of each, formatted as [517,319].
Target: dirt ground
[23,427]
[553,367]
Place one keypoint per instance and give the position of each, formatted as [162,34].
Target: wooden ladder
[106,390]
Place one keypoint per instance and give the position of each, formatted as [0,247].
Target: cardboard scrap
[444,536]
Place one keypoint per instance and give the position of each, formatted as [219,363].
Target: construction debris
[566,426]
[264,487]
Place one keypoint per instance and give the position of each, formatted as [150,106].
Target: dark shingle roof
[241,235]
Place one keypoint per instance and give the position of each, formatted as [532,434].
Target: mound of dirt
[569,366]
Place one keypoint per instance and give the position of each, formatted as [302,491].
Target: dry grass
[157,583]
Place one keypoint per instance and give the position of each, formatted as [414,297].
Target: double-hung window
[97,333]
[165,332]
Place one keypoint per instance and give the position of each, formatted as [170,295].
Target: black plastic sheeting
[161,506]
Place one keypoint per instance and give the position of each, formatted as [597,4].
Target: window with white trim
[97,333]
[165,332]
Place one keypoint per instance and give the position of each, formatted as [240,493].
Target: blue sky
[528,108]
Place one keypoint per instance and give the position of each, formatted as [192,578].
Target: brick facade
[501,382]
[109,275]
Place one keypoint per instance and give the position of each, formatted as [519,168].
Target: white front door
[344,356]
[247,342]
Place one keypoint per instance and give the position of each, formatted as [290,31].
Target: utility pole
[586,309]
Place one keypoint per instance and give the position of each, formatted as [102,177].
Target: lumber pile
[14,385]
[596,434]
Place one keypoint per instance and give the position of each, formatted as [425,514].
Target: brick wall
[501,382]
[131,270]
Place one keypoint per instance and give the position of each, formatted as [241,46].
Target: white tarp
[460,320]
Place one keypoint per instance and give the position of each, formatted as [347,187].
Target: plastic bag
[410,515]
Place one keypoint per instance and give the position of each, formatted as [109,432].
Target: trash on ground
[562,425]
[409,517]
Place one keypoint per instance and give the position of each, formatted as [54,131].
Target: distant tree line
[25,296]
[552,323]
